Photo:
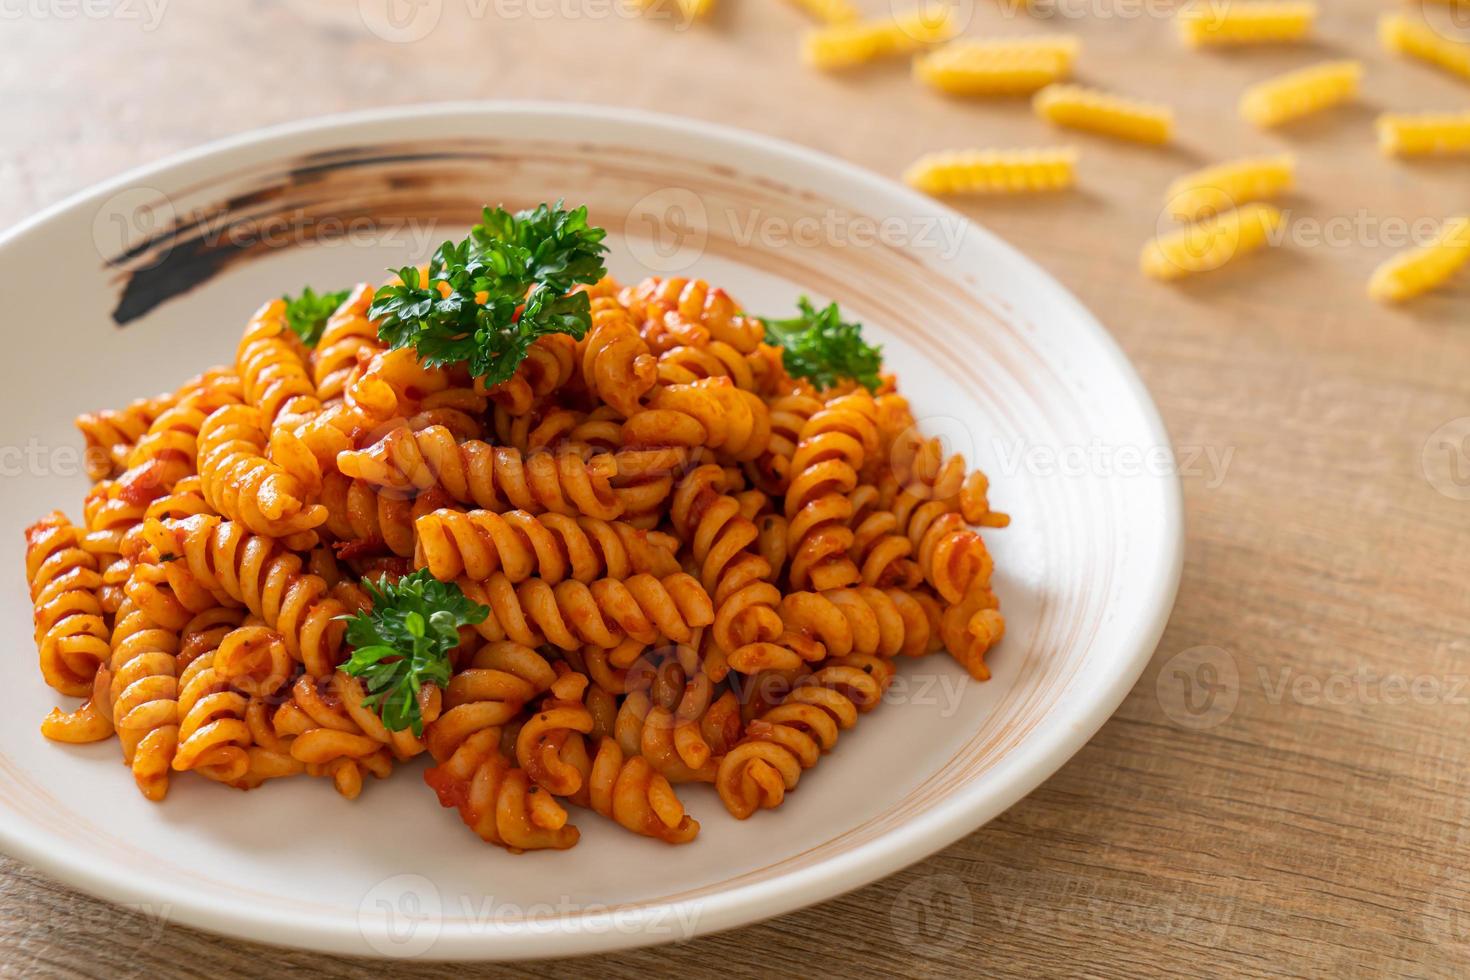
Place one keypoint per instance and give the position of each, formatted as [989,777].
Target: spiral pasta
[111,434]
[615,361]
[993,171]
[243,484]
[1009,66]
[1419,270]
[71,629]
[1227,185]
[1211,243]
[498,801]
[489,477]
[847,44]
[552,547]
[1077,107]
[792,736]
[670,543]
[601,613]
[1246,22]
[829,11]
[1301,93]
[1425,134]
[1402,35]
[225,560]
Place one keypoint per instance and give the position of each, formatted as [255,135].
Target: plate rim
[740,905]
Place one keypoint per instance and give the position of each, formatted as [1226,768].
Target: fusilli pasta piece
[553,547]
[993,171]
[1077,107]
[792,736]
[845,45]
[601,613]
[630,792]
[1424,134]
[1402,35]
[1419,270]
[1246,22]
[830,11]
[1301,93]
[1211,243]
[1227,185]
[498,801]
[1002,66]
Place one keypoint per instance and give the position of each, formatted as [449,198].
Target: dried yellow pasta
[997,67]
[1228,185]
[844,45]
[1419,270]
[1211,243]
[695,9]
[1300,93]
[1100,112]
[830,11]
[993,171]
[1425,134]
[1246,22]
[1417,39]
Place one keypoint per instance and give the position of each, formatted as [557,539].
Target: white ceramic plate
[993,353]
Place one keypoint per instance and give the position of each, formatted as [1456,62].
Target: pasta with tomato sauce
[585,547]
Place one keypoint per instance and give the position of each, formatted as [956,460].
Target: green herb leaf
[523,264]
[404,641]
[824,348]
[307,314]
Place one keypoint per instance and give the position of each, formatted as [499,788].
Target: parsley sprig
[507,285]
[824,348]
[404,641]
[307,314]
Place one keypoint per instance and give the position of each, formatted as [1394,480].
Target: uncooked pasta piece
[830,11]
[1301,93]
[1415,38]
[1424,134]
[1211,243]
[1419,270]
[997,67]
[844,45]
[1227,185]
[1246,22]
[1101,112]
[993,171]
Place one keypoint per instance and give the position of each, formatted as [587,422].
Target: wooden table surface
[1317,828]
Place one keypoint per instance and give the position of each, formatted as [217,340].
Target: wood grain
[1319,828]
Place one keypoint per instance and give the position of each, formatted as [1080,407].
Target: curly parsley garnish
[307,314]
[824,348]
[507,285]
[403,643]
